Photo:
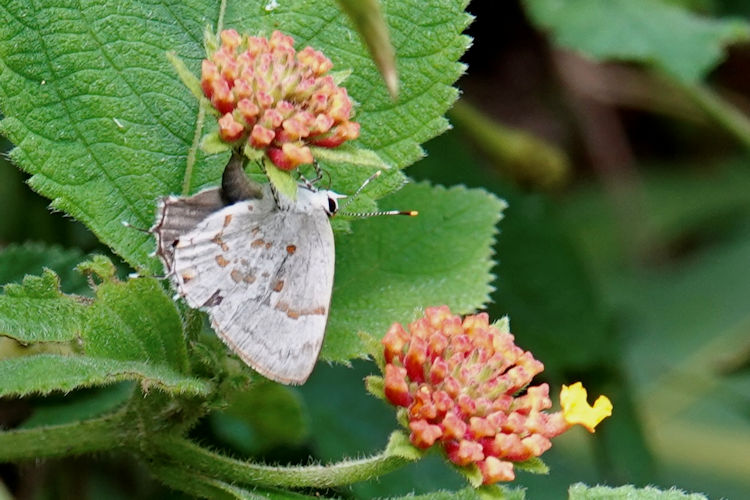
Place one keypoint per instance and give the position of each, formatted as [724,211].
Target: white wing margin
[265,278]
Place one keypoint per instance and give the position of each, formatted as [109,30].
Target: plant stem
[75,438]
[198,485]
[727,115]
[188,454]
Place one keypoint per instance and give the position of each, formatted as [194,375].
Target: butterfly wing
[177,216]
[265,278]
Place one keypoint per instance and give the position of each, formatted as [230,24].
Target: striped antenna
[349,199]
[410,213]
[359,190]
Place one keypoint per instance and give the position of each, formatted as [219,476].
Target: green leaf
[583,492]
[390,268]
[674,40]
[30,258]
[104,125]
[375,385]
[348,154]
[135,321]
[186,77]
[281,179]
[267,415]
[45,373]
[37,311]
[400,446]
[98,265]
[533,465]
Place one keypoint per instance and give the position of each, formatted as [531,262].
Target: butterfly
[259,264]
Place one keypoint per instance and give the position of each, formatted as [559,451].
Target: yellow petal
[576,409]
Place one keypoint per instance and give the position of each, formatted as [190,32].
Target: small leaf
[99,265]
[30,258]
[634,30]
[533,465]
[400,446]
[186,76]
[390,268]
[339,77]
[37,311]
[281,180]
[349,154]
[472,474]
[212,144]
[582,492]
[375,385]
[45,373]
[369,21]
[136,321]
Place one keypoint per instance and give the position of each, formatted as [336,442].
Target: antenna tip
[413,213]
[377,174]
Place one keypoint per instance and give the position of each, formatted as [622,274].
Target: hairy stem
[227,469]
[75,438]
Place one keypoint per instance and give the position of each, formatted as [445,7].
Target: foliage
[102,126]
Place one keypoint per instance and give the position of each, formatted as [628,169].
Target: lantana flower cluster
[276,99]
[460,384]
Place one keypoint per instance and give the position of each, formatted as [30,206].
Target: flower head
[276,99]
[461,383]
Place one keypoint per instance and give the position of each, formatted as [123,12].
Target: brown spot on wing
[268,245]
[296,313]
[257,243]
[217,239]
[249,278]
[187,276]
[222,261]
[290,249]
[236,275]
[278,286]
[227,219]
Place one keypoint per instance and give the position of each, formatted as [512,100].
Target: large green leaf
[390,268]
[685,45]
[104,125]
[45,373]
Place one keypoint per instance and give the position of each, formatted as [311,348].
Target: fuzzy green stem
[197,485]
[725,114]
[75,438]
[188,454]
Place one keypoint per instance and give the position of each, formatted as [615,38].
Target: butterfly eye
[333,205]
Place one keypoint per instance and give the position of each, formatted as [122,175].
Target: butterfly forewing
[264,276]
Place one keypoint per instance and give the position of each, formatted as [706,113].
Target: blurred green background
[623,261]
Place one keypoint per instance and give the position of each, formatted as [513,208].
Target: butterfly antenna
[410,213]
[359,190]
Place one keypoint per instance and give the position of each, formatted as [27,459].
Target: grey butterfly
[259,265]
